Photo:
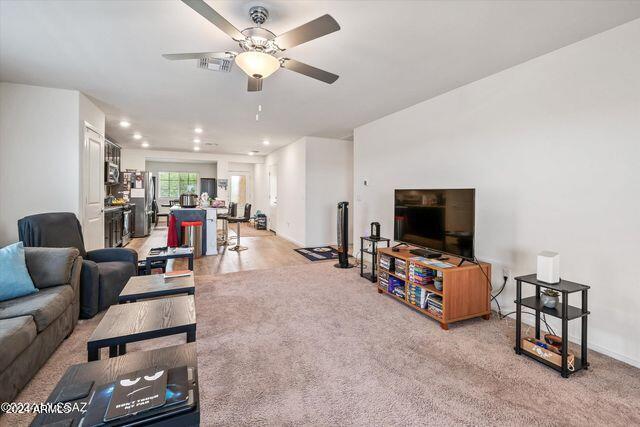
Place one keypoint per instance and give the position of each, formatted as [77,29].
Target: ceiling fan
[259,46]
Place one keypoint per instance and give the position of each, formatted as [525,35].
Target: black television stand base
[425,253]
[396,248]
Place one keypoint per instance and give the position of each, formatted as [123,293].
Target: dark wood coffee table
[105,371]
[170,253]
[139,321]
[155,285]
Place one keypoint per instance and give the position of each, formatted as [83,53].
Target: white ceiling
[389,55]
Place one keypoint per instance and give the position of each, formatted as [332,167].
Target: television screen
[441,220]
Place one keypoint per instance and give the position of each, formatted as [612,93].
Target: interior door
[238,189]
[272,218]
[93,190]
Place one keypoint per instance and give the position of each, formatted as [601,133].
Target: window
[172,184]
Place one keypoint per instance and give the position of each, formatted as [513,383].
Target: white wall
[261,187]
[329,181]
[40,140]
[313,175]
[290,166]
[552,147]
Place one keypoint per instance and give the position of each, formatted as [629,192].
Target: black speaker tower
[343,236]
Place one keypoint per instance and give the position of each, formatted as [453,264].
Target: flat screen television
[437,220]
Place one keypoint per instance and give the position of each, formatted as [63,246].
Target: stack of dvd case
[401,268]
[434,304]
[419,274]
[396,286]
[383,280]
[417,295]
[386,262]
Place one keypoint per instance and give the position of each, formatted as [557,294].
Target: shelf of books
[440,289]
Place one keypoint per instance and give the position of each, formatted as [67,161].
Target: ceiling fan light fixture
[258,65]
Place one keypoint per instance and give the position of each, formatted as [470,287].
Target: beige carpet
[319,346]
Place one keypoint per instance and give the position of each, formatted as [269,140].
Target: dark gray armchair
[104,271]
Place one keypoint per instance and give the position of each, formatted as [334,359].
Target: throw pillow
[14,277]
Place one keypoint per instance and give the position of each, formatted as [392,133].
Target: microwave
[111,173]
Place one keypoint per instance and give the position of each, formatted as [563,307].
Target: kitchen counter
[114,208]
[191,214]
[209,246]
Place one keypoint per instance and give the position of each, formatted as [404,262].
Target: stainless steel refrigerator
[141,195]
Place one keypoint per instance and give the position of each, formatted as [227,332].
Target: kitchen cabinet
[113,227]
[112,153]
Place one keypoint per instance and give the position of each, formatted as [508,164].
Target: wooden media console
[465,293]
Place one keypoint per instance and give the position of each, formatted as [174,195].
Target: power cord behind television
[495,298]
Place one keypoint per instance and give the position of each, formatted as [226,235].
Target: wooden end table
[156,285]
[127,323]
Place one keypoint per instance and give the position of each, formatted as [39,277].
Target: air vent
[216,64]
[211,144]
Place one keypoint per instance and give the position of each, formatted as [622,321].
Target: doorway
[93,189]
[273,197]
[238,190]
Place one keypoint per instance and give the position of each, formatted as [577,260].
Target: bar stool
[231,212]
[245,218]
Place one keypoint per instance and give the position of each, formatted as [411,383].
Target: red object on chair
[172,232]
[191,224]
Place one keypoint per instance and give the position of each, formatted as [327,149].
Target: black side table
[165,254]
[373,251]
[565,312]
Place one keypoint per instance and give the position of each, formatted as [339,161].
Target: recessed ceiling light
[124,124]
[137,135]
[196,148]
[265,142]
[198,130]
[196,140]
[145,144]
[251,153]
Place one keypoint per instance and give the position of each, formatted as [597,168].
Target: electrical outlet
[506,272]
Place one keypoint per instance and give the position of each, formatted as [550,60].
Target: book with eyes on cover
[137,392]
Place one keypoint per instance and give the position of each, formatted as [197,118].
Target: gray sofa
[33,326]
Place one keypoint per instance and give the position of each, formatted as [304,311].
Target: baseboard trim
[289,239]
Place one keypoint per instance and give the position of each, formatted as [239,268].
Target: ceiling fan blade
[255,85]
[196,55]
[308,70]
[214,17]
[311,30]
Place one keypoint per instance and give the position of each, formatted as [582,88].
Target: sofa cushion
[45,306]
[113,277]
[50,266]
[15,335]
[14,276]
